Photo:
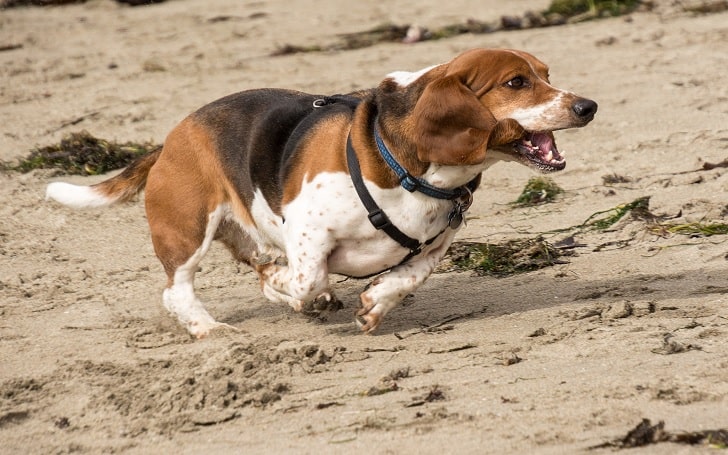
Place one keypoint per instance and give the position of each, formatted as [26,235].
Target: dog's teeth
[528,143]
[550,156]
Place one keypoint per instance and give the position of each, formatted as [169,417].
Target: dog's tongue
[542,141]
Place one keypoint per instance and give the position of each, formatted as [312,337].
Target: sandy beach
[633,325]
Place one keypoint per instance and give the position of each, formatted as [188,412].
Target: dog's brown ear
[452,126]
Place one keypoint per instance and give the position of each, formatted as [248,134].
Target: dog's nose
[584,109]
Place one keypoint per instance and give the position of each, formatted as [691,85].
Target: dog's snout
[584,109]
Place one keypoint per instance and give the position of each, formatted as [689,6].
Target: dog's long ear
[452,126]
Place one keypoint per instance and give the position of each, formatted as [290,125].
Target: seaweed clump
[645,433]
[82,154]
[538,190]
[503,259]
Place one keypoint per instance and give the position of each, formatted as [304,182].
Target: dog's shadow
[463,296]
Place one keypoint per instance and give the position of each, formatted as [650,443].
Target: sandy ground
[634,326]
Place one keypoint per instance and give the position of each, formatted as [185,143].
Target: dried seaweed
[18,3]
[560,12]
[594,8]
[646,433]
[706,6]
[690,229]
[82,154]
[614,178]
[380,34]
[10,47]
[288,49]
[723,164]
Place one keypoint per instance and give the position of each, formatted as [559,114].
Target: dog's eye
[517,82]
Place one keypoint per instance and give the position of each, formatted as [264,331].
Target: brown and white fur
[265,172]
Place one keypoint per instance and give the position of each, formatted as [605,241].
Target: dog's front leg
[387,290]
[305,278]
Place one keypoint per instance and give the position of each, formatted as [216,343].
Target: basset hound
[374,182]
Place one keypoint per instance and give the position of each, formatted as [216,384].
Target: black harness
[461,197]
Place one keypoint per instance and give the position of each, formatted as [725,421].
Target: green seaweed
[538,190]
[639,208]
[560,12]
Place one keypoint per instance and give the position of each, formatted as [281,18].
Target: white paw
[201,329]
[278,297]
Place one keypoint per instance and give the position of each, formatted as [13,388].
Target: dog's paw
[202,329]
[368,316]
[279,297]
[324,302]
[368,320]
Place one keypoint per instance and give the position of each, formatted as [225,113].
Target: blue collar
[410,182]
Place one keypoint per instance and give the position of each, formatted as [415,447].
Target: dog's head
[493,99]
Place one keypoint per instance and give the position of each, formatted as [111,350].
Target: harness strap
[376,215]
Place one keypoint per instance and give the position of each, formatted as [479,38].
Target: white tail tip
[76,196]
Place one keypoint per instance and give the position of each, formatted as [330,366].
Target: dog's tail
[120,188]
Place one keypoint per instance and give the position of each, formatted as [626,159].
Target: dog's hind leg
[180,254]
[185,206]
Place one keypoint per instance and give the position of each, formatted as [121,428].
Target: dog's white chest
[328,218]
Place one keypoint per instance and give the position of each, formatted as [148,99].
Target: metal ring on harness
[321,102]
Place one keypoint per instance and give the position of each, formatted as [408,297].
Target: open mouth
[539,150]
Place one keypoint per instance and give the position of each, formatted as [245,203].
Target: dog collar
[410,182]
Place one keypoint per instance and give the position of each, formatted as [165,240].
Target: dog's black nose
[584,108]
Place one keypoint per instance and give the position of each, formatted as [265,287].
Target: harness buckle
[379,219]
[409,183]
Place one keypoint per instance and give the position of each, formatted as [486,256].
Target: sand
[634,325]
